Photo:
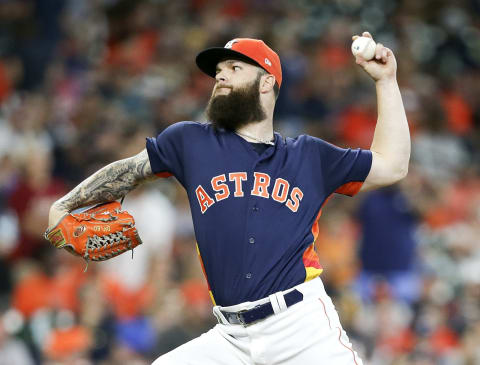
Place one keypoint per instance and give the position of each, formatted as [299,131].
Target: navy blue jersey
[255,215]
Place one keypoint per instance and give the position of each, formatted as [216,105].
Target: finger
[360,61]
[384,54]
[378,51]
[367,34]
[354,37]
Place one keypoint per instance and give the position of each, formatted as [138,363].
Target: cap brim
[208,59]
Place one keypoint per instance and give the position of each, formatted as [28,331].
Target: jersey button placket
[249,232]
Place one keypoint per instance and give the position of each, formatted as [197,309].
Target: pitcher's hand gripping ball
[364,47]
[98,233]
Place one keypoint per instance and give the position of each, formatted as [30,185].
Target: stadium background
[82,83]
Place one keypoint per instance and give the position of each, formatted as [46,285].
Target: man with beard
[255,199]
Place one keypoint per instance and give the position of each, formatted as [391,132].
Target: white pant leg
[308,332]
[222,345]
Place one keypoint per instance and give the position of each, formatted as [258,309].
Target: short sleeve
[166,151]
[343,170]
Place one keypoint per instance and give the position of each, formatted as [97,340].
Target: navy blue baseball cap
[253,50]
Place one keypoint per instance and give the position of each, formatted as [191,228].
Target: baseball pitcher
[255,199]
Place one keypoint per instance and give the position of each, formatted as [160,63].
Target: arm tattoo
[112,182]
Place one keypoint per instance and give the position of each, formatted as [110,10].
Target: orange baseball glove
[96,234]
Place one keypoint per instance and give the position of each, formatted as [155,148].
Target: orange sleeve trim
[350,188]
[164,174]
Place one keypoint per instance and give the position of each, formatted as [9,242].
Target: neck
[262,129]
[258,130]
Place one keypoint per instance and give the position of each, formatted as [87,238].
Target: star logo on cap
[231,43]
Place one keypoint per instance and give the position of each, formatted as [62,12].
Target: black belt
[261,311]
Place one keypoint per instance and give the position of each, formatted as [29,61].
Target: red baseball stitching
[353,353]
[340,331]
[325,310]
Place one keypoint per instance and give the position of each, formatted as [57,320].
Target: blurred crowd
[82,83]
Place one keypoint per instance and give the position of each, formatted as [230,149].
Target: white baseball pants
[308,332]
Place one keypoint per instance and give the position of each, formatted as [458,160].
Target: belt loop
[274,303]
[281,301]
[219,315]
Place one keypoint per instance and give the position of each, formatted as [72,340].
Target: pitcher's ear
[267,83]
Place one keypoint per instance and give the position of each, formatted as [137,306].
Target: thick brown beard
[240,107]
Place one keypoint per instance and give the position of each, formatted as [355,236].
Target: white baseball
[364,47]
